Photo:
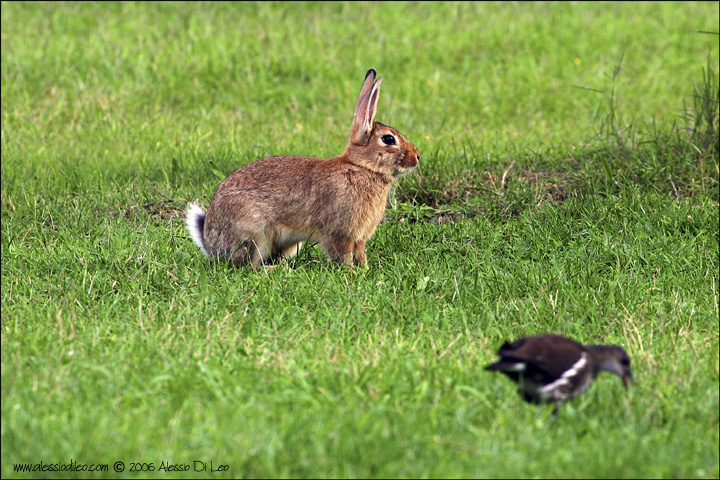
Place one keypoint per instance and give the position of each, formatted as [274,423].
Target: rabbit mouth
[409,162]
[406,167]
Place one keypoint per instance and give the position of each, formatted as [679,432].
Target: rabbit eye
[389,140]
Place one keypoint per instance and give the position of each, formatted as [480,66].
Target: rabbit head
[373,145]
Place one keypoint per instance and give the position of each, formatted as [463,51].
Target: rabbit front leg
[340,250]
[359,251]
[347,252]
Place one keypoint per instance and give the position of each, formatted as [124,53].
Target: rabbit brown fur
[268,208]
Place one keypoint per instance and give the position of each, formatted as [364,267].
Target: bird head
[613,359]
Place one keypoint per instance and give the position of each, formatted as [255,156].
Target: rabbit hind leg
[241,254]
[261,253]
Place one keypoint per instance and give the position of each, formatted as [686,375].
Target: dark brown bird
[552,368]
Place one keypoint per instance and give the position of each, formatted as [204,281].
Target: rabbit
[268,208]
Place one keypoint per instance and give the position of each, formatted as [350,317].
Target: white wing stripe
[566,376]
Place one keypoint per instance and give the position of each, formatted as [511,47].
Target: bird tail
[506,365]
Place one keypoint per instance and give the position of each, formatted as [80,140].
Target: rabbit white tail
[195,220]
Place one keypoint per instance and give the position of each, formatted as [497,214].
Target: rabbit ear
[365,108]
[367,86]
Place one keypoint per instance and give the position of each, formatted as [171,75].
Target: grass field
[568,183]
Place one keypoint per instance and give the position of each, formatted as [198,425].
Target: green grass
[568,184]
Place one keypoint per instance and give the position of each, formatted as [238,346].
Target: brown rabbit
[269,207]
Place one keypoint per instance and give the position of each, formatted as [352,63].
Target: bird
[551,368]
